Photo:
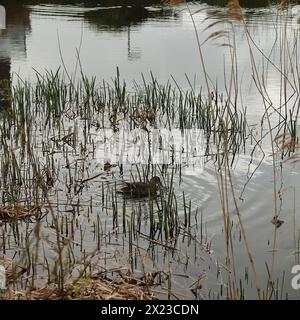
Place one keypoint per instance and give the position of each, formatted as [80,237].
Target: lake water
[156,38]
[161,39]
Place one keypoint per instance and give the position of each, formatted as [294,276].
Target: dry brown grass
[283,4]
[289,145]
[287,142]
[13,212]
[235,10]
[122,287]
[173,2]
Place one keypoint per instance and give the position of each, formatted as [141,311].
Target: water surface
[161,39]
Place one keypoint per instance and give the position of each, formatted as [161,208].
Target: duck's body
[141,189]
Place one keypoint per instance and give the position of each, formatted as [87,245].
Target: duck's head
[154,183]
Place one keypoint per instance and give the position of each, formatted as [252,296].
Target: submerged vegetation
[64,228]
[51,174]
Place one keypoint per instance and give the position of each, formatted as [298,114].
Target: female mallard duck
[141,189]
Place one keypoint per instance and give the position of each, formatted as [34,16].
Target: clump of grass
[13,212]
[123,286]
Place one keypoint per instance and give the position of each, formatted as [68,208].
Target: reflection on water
[137,36]
[13,38]
[115,17]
